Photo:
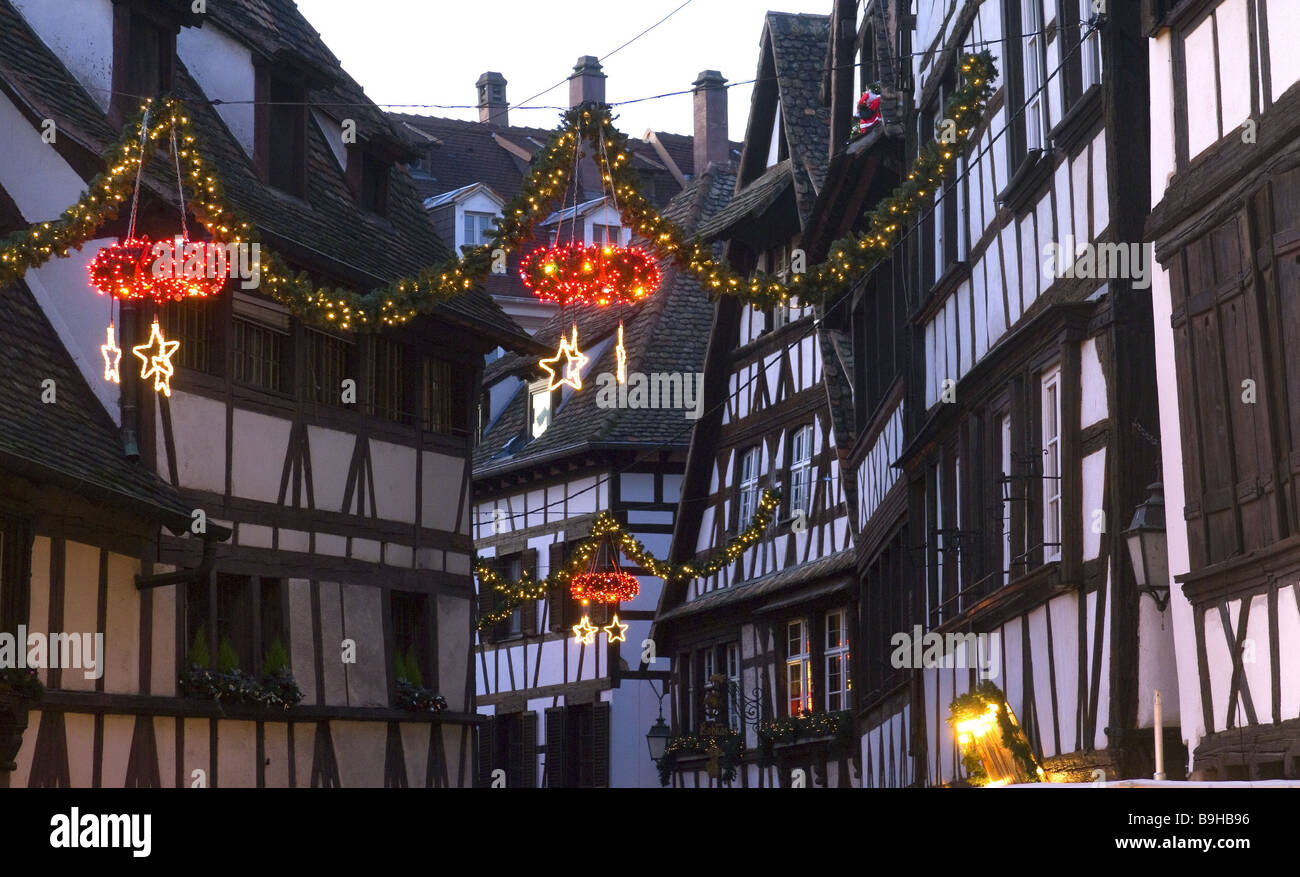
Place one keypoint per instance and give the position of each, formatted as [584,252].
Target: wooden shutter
[16,538]
[555,599]
[556,742]
[528,726]
[528,618]
[487,747]
[600,723]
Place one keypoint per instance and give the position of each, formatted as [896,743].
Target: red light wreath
[604,587]
[578,273]
[136,268]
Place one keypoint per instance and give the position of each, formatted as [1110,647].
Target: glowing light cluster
[604,586]
[136,268]
[581,274]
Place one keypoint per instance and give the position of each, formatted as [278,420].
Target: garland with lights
[550,176]
[984,700]
[837,725]
[509,595]
[729,746]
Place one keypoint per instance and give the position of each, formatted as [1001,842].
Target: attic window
[374,184]
[144,58]
[540,407]
[286,136]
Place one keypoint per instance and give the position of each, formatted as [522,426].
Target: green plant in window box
[276,687]
[730,750]
[411,693]
[838,726]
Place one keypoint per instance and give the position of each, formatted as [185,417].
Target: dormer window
[144,58]
[478,229]
[607,234]
[282,132]
[540,407]
[371,177]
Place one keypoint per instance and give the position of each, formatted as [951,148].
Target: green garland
[730,746]
[976,703]
[549,179]
[511,594]
[837,725]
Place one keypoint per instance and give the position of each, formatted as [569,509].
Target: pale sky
[432,52]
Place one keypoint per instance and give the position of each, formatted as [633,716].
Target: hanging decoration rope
[509,595]
[552,171]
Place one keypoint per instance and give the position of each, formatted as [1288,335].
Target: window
[260,356]
[190,322]
[330,361]
[800,471]
[686,692]
[607,234]
[540,400]
[512,747]
[731,651]
[1004,431]
[510,568]
[250,616]
[798,668]
[478,229]
[1034,95]
[577,745]
[444,402]
[1091,51]
[387,380]
[747,499]
[412,638]
[373,183]
[15,573]
[286,137]
[145,67]
[934,566]
[837,661]
[1052,465]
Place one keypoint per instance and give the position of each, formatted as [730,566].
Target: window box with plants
[691,751]
[411,693]
[834,729]
[274,687]
[20,687]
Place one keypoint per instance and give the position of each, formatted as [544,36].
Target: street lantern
[1147,546]
[657,739]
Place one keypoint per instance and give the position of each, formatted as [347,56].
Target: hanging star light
[112,358]
[157,365]
[621,353]
[616,631]
[585,631]
[574,360]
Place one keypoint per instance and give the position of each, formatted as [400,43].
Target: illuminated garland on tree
[549,178]
[511,594]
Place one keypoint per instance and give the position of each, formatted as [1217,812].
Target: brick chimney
[711,143]
[587,82]
[492,104]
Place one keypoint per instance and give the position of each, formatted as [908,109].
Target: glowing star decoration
[621,352]
[157,365]
[616,631]
[574,360]
[112,358]
[585,632]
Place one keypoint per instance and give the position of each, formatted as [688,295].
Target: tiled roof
[327,231]
[835,569]
[73,441]
[749,203]
[799,46]
[665,334]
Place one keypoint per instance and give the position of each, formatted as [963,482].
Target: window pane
[259,356]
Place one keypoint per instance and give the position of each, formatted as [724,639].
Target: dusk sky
[432,51]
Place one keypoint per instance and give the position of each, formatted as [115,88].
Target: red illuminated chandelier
[604,582]
[590,274]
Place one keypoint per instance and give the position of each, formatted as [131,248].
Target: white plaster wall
[82,41]
[200,448]
[223,67]
[257,460]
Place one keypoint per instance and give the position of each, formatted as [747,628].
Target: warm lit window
[260,356]
[1052,465]
[798,668]
[801,470]
[838,684]
[747,498]
[732,651]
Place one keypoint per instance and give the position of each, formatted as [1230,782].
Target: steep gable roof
[665,334]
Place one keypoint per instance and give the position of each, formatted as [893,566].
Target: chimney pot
[492,104]
[587,84]
[712,145]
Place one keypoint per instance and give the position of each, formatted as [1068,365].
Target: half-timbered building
[770,637]
[1225,176]
[331,468]
[564,712]
[1005,408]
